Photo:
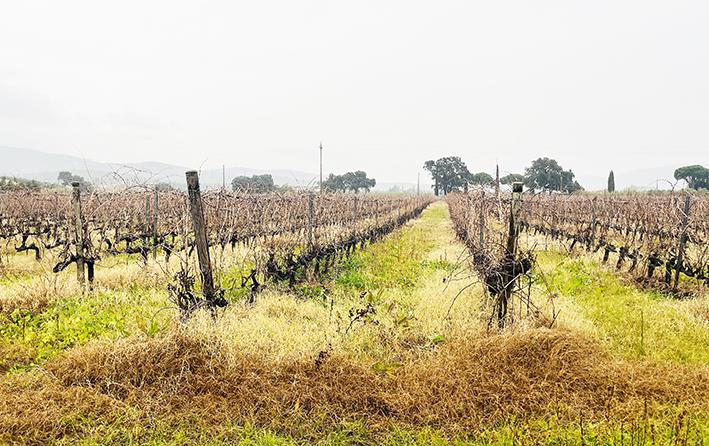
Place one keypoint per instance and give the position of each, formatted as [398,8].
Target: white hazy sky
[386,85]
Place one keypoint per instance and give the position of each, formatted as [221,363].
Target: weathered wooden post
[513,230]
[498,201]
[78,232]
[200,232]
[310,223]
[510,272]
[155,224]
[592,242]
[481,220]
[146,228]
[682,241]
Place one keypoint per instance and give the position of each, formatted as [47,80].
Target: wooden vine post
[200,232]
[481,220]
[155,223]
[498,201]
[78,232]
[510,279]
[592,242]
[682,241]
[513,230]
[310,222]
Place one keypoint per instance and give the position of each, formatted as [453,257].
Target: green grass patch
[634,323]
[398,261]
[77,320]
[649,431]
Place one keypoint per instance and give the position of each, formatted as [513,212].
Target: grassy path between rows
[631,322]
[116,368]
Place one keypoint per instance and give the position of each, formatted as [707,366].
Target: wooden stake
[155,224]
[481,219]
[310,224]
[682,241]
[78,232]
[200,232]
[513,229]
[592,243]
[497,192]
[510,276]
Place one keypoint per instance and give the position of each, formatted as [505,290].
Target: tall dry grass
[464,385]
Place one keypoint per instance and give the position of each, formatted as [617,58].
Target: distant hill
[41,166]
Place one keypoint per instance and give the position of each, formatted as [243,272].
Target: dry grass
[37,409]
[464,385]
[36,288]
[12,355]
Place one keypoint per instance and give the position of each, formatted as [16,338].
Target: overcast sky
[385,85]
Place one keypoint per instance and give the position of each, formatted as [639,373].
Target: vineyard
[648,234]
[488,317]
[273,237]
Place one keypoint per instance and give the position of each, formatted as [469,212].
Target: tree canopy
[546,174]
[257,184]
[611,182]
[512,178]
[450,174]
[13,183]
[482,179]
[696,176]
[349,181]
[164,187]
[66,178]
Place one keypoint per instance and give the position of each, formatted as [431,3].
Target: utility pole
[320,166]
[418,183]
[223,177]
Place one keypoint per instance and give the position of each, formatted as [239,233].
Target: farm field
[391,342]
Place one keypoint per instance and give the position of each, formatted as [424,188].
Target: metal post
[200,232]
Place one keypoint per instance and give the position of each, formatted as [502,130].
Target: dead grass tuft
[14,354]
[38,409]
[35,294]
[465,384]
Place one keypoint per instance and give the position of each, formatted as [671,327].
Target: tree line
[347,182]
[450,174]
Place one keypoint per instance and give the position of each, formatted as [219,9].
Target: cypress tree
[611,182]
